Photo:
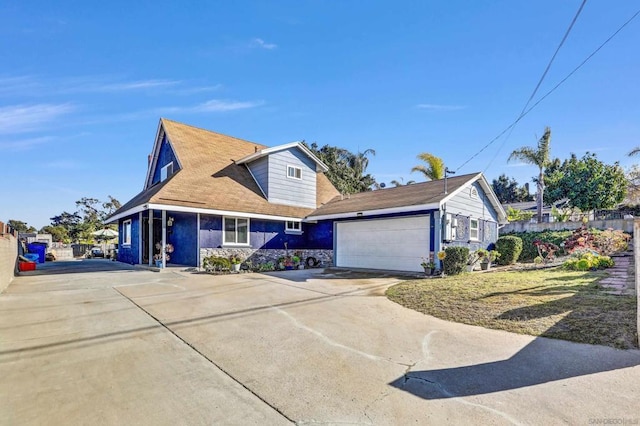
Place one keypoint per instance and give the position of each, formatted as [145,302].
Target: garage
[396,244]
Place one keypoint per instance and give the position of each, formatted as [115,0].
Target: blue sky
[83,85]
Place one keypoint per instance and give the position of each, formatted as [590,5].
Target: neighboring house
[211,194]
[547,216]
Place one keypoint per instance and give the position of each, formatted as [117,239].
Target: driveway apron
[303,346]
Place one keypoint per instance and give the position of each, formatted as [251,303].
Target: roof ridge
[163,119]
[468,175]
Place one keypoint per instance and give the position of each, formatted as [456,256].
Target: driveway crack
[203,355]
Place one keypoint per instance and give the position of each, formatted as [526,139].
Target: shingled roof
[414,197]
[210,179]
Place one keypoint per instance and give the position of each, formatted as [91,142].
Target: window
[294,172]
[474,192]
[166,171]
[293,227]
[474,233]
[126,232]
[236,231]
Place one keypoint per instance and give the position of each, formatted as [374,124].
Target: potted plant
[489,257]
[429,267]
[235,263]
[288,263]
[474,257]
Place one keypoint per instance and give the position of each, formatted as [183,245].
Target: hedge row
[529,251]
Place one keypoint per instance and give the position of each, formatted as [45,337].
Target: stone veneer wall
[260,256]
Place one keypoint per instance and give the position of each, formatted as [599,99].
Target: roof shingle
[210,179]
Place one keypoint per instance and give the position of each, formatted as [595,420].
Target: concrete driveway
[99,342]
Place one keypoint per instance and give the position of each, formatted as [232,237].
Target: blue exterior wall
[263,234]
[129,254]
[464,207]
[260,171]
[183,235]
[285,190]
[165,156]
[479,208]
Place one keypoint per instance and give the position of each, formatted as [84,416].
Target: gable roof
[415,197]
[211,179]
[266,151]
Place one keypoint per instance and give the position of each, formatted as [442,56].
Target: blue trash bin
[40,249]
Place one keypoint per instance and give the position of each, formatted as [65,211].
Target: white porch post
[150,237]
[164,238]
[198,240]
[140,238]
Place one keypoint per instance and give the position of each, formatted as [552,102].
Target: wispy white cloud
[24,144]
[95,85]
[213,105]
[219,105]
[26,118]
[198,89]
[258,42]
[440,107]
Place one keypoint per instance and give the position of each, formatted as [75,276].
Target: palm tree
[400,182]
[634,151]
[434,169]
[537,156]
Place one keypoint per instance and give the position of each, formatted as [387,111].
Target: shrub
[509,247]
[587,260]
[612,241]
[456,259]
[215,263]
[530,252]
[583,265]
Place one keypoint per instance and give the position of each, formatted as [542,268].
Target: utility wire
[544,74]
[552,90]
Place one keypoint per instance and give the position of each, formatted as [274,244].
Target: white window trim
[477,237]
[164,171]
[473,193]
[294,230]
[295,168]
[126,223]
[231,243]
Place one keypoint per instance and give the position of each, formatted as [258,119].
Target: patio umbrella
[105,234]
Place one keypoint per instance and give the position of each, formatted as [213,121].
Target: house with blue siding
[210,194]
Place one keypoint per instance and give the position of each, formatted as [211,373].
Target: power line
[564,38]
[533,94]
[544,74]
[551,91]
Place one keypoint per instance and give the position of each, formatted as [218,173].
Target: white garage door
[397,244]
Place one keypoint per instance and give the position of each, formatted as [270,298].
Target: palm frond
[634,151]
[434,169]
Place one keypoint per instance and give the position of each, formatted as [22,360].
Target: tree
[58,233]
[434,168]
[588,183]
[514,215]
[400,182]
[539,157]
[347,171]
[633,185]
[20,226]
[508,191]
[109,207]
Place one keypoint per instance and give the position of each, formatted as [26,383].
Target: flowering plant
[442,254]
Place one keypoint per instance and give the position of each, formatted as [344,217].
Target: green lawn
[545,302]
